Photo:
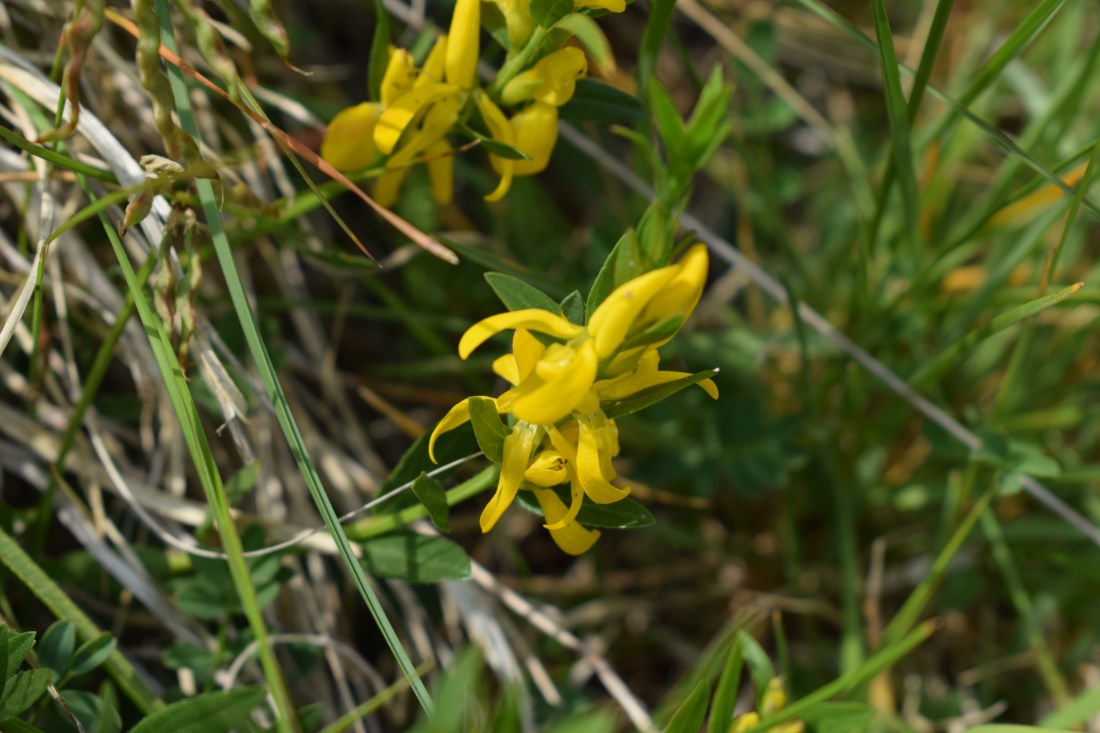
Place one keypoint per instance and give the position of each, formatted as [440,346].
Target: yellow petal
[505,367]
[630,384]
[590,471]
[615,317]
[552,80]
[387,187]
[534,132]
[456,416]
[573,538]
[441,163]
[518,446]
[744,722]
[520,24]
[528,350]
[349,139]
[439,118]
[500,130]
[548,469]
[462,48]
[774,698]
[399,76]
[531,319]
[547,402]
[434,65]
[681,294]
[615,6]
[405,110]
[576,500]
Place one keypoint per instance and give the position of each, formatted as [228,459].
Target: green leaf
[432,495]
[242,482]
[379,51]
[623,514]
[548,12]
[450,446]
[496,147]
[689,716]
[14,647]
[998,323]
[106,718]
[518,295]
[670,127]
[653,395]
[898,115]
[607,279]
[56,647]
[597,101]
[725,697]
[839,717]
[758,662]
[572,307]
[415,557]
[489,430]
[659,331]
[93,653]
[16,725]
[23,690]
[656,28]
[212,712]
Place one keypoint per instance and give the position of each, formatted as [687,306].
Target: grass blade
[260,355]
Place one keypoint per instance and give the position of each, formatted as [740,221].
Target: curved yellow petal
[404,112]
[576,500]
[518,446]
[456,416]
[549,401]
[534,132]
[439,118]
[630,384]
[590,470]
[531,319]
[434,65]
[527,350]
[399,77]
[614,318]
[349,138]
[501,130]
[460,66]
[520,23]
[441,164]
[573,538]
[505,367]
[548,469]
[681,294]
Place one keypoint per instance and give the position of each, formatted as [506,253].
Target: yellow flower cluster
[419,107]
[561,382]
[773,700]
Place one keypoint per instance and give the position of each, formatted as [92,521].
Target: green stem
[513,66]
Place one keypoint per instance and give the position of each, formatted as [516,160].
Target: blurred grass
[769,500]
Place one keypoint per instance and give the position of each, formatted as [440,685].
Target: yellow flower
[518,19]
[462,50]
[552,80]
[349,140]
[564,373]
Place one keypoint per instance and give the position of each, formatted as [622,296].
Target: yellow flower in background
[560,383]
